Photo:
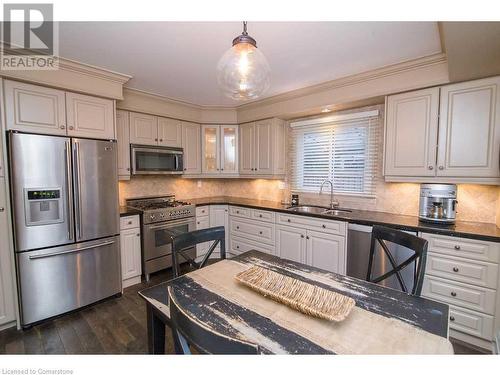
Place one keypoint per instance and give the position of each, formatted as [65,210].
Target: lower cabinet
[130,247]
[208,217]
[7,287]
[321,250]
[463,273]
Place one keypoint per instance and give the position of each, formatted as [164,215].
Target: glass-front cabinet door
[229,150]
[210,152]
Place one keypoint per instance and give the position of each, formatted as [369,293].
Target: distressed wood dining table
[384,321]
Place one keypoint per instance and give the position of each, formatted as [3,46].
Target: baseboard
[480,344]
[132,281]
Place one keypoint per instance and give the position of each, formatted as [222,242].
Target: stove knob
[162,215]
[152,217]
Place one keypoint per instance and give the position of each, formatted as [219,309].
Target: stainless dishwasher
[358,252]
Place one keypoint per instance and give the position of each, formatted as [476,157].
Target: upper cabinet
[263,148]
[469,129]
[123,141]
[143,129]
[459,142]
[219,149]
[37,109]
[191,143]
[155,131]
[411,133]
[169,132]
[88,116]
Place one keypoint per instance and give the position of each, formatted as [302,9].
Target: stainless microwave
[156,160]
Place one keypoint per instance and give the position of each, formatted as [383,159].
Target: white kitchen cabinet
[143,129]
[219,149]
[263,148]
[291,243]
[219,217]
[130,248]
[169,132]
[34,109]
[191,143]
[411,133]
[469,129]
[326,251]
[458,143]
[202,222]
[91,117]
[123,142]
[247,148]
[7,291]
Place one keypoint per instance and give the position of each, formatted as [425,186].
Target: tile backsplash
[476,202]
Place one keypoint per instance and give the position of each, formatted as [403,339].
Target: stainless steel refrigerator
[66,222]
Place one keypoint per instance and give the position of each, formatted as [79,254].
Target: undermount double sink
[318,210]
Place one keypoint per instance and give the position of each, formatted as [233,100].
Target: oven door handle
[172,224]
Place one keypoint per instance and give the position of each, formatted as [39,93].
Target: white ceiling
[178,59]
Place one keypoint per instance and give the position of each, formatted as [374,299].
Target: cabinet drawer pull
[156,139]
[457,247]
[129,223]
[307,237]
[452,318]
[301,236]
[453,294]
[237,246]
[289,220]
[441,167]
[138,234]
[2,209]
[260,215]
[237,227]
[323,226]
[237,211]
[62,126]
[455,269]
[161,140]
[431,167]
[71,128]
[198,223]
[260,232]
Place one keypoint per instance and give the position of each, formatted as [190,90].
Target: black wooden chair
[418,245]
[183,242]
[191,333]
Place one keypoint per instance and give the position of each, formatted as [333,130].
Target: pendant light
[243,71]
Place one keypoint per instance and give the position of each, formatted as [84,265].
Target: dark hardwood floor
[115,326]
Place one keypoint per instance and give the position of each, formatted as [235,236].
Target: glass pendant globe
[243,72]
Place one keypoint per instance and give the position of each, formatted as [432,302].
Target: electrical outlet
[199,183]
[281,185]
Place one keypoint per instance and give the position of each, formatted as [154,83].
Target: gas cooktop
[157,209]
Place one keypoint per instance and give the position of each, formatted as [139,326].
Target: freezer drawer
[56,280]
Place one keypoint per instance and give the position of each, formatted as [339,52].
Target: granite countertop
[467,229]
[128,211]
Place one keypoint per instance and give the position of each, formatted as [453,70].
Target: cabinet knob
[457,247]
[138,234]
[2,209]
[129,223]
[323,226]
[237,246]
[301,236]
[237,211]
[156,139]
[71,128]
[217,168]
[452,318]
[455,269]
[453,294]
[431,167]
[222,169]
[198,223]
[260,232]
[260,215]
[289,220]
[307,237]
[237,227]
[185,169]
[62,126]
[441,167]
[128,169]
[161,139]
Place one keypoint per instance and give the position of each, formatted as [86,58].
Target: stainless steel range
[162,217]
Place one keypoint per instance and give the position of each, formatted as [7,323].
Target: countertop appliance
[438,203]
[66,222]
[156,160]
[161,217]
[358,253]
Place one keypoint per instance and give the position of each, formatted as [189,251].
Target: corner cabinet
[460,142]
[123,141]
[191,143]
[219,149]
[262,148]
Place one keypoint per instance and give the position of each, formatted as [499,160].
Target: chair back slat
[185,241]
[382,235]
[189,331]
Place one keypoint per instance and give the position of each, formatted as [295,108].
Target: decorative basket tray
[301,296]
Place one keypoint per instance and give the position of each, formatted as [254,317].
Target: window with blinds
[342,149]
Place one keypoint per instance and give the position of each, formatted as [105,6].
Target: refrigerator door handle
[69,189]
[78,196]
[71,251]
